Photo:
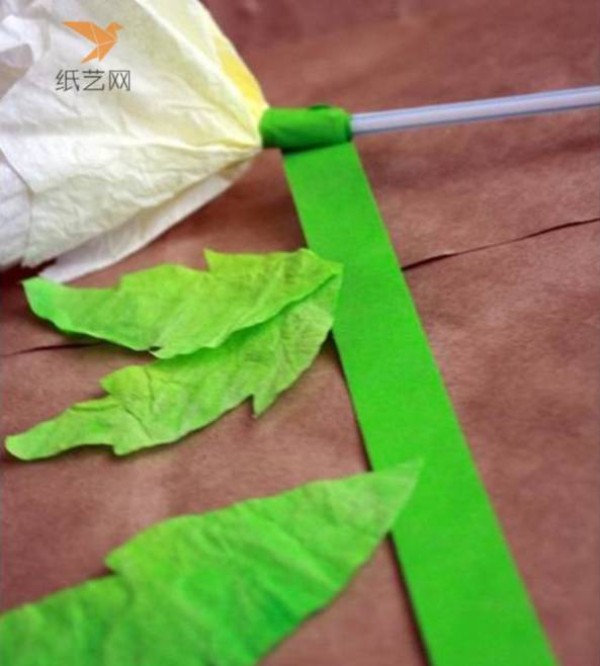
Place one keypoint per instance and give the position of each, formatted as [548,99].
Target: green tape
[470,602]
[298,129]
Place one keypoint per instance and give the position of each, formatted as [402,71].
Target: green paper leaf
[172,310]
[162,401]
[222,588]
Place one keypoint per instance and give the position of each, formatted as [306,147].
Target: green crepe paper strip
[172,310]
[299,129]
[160,402]
[470,602]
[221,588]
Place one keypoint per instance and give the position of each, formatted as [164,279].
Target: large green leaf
[222,588]
[172,310]
[162,401]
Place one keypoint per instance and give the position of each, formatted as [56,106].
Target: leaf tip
[17,448]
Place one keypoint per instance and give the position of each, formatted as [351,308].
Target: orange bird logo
[103,38]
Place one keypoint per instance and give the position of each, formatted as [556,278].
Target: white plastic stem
[468,112]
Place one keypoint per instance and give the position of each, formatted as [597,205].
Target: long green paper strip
[220,589]
[470,602]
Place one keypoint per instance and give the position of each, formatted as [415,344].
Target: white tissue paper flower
[89,176]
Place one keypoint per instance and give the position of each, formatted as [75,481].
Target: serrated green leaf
[160,402]
[222,588]
[172,310]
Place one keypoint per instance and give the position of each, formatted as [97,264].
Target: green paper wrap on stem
[470,602]
[299,129]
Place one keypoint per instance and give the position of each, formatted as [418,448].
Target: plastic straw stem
[474,111]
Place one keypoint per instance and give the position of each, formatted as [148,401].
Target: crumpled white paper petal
[14,213]
[122,241]
[23,38]
[108,171]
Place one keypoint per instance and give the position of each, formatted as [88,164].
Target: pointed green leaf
[162,401]
[172,310]
[69,627]
[222,588]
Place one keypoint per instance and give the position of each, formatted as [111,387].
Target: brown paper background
[498,227]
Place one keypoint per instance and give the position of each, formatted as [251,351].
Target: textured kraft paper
[514,326]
